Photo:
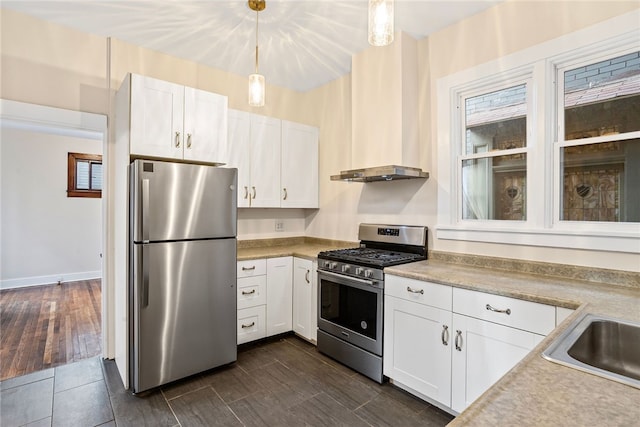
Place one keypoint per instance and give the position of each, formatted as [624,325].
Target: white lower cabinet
[482,353]
[451,344]
[417,347]
[251,323]
[305,297]
[279,295]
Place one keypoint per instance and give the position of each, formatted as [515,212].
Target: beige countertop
[299,247]
[537,392]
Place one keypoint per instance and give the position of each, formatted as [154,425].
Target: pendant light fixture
[256,80]
[380,22]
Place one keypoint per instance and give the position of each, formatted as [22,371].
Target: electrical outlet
[279,225]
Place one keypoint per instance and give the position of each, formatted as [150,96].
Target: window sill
[627,242]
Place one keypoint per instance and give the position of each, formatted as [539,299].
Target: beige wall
[499,31]
[48,64]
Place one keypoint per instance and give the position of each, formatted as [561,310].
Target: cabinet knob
[246,192]
[306,276]
[177,139]
[285,194]
[254,192]
[188,140]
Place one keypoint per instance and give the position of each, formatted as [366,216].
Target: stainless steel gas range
[351,293]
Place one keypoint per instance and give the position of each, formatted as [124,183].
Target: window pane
[96,176]
[82,175]
[496,120]
[603,98]
[494,188]
[601,182]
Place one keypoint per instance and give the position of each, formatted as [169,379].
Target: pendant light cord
[257,14]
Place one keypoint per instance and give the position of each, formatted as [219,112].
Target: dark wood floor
[46,326]
[277,382]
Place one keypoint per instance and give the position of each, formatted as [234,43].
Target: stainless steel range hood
[380,173]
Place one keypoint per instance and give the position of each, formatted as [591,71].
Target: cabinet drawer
[526,315]
[251,324]
[253,267]
[427,293]
[252,291]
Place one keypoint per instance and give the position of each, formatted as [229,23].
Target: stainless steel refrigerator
[182,287]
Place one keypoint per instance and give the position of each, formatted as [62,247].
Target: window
[84,175]
[599,140]
[493,163]
[542,147]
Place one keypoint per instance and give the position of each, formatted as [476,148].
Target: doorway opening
[53,291]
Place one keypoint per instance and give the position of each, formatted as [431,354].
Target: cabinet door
[205,126]
[238,152]
[156,118]
[299,176]
[482,353]
[303,297]
[417,347]
[279,295]
[265,161]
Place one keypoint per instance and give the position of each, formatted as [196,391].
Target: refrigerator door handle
[145,276]
[145,211]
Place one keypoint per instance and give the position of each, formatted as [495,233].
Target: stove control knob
[327,264]
[368,273]
[346,268]
[359,271]
[333,265]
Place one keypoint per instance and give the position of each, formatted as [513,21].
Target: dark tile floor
[282,382]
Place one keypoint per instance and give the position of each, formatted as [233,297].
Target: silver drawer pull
[497,310]
[458,341]
[253,291]
[249,325]
[248,268]
[445,335]
[414,291]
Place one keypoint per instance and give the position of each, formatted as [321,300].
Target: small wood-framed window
[84,175]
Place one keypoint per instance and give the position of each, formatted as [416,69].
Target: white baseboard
[45,280]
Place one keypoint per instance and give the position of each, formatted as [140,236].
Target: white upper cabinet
[266,133]
[277,161]
[238,149]
[176,122]
[299,176]
[205,126]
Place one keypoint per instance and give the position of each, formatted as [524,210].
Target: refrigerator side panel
[185,311]
[178,201]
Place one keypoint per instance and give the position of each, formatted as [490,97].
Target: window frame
[72,160]
[542,227]
[496,83]
[558,66]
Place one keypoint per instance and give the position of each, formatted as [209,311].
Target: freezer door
[184,310]
[178,201]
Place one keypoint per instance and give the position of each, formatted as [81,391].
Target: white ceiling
[303,44]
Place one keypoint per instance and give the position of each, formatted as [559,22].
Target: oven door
[351,309]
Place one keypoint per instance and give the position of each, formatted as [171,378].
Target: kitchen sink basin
[602,346]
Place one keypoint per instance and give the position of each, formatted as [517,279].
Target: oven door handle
[355,279]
